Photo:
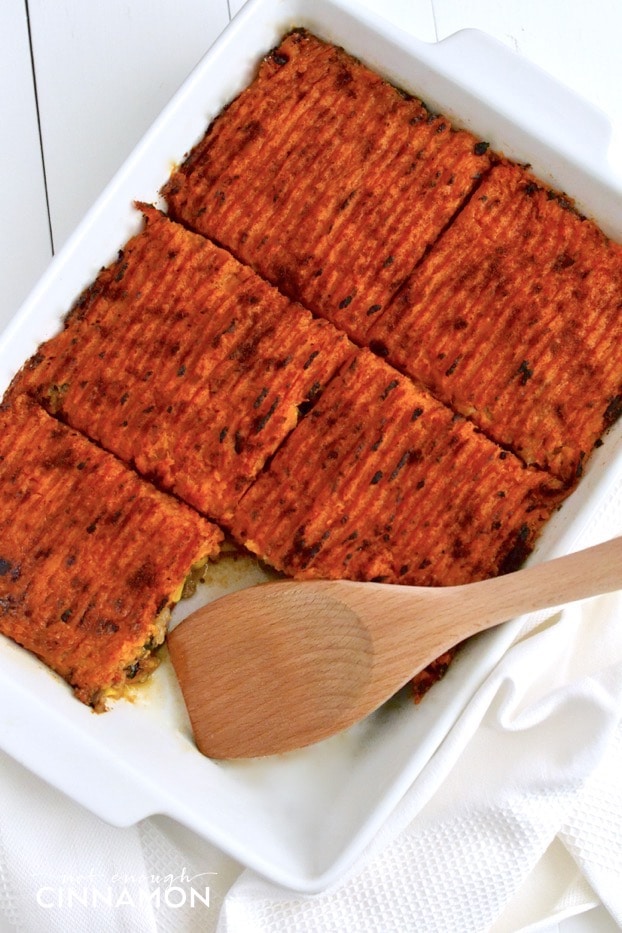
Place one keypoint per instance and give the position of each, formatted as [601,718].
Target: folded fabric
[538,729]
[592,834]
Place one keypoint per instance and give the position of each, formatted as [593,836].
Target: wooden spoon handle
[458,612]
[586,573]
[282,665]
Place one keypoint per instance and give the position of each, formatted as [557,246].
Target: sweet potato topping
[213,358]
[91,556]
[186,364]
[382,482]
[513,319]
[327,180]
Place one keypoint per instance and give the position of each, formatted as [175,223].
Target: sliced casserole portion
[186,364]
[514,319]
[92,558]
[326,179]
[382,482]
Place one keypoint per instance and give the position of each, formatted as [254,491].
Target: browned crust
[381,482]
[90,554]
[186,364]
[513,319]
[430,675]
[327,180]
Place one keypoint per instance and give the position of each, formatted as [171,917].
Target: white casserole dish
[299,819]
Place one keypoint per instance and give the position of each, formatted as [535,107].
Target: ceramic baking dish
[299,819]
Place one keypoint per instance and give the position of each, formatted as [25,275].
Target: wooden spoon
[280,665]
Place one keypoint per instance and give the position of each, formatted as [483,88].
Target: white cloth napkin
[530,777]
[516,822]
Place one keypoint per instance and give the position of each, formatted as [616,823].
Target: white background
[81,80]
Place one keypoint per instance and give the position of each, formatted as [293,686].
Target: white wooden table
[81,80]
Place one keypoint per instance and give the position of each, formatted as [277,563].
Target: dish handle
[531,100]
[34,731]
